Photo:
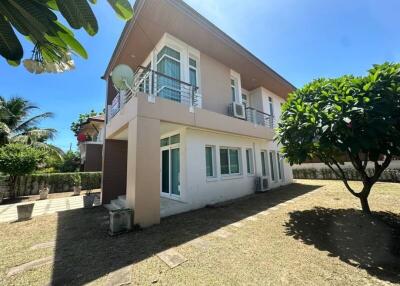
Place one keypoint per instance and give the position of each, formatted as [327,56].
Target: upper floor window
[169,67]
[245,100]
[192,72]
[271,106]
[233,89]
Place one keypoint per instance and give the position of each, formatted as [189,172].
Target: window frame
[213,161]
[234,89]
[272,166]
[249,163]
[230,174]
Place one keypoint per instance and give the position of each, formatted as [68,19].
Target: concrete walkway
[8,213]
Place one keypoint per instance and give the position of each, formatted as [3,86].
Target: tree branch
[380,168]
[342,175]
[359,166]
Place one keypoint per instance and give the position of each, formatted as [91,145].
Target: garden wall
[389,175]
[57,182]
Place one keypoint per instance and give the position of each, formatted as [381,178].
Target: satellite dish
[122,77]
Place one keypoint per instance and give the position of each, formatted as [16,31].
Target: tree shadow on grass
[85,252]
[368,242]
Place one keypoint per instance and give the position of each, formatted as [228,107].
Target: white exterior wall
[198,190]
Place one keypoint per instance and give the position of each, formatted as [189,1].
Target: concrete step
[110,207]
[119,203]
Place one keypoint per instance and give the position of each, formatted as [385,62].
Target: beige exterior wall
[215,85]
[143,170]
[169,111]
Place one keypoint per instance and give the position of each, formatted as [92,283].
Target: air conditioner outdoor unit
[120,221]
[237,110]
[261,184]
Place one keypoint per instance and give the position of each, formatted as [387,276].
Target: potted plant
[44,190]
[25,211]
[77,184]
[88,198]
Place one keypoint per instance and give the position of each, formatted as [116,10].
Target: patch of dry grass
[321,239]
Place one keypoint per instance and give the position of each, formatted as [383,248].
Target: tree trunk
[12,189]
[365,205]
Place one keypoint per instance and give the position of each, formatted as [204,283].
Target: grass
[320,239]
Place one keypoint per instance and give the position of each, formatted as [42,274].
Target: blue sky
[301,40]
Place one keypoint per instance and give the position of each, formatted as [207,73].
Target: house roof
[153,18]
[98,118]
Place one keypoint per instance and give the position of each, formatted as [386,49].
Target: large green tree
[53,42]
[355,117]
[17,124]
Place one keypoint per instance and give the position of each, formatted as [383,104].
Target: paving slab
[171,257]
[237,224]
[265,213]
[251,218]
[48,244]
[222,233]
[30,265]
[200,243]
[120,277]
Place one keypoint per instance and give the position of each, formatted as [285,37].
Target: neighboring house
[197,127]
[90,142]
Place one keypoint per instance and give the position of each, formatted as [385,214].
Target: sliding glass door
[170,171]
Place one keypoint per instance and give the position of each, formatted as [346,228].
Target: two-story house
[197,126]
[90,143]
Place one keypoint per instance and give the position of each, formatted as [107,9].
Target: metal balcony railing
[260,118]
[157,84]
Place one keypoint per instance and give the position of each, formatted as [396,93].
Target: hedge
[57,182]
[389,175]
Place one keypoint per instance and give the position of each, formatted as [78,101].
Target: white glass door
[170,171]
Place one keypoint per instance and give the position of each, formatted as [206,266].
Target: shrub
[389,175]
[71,162]
[76,180]
[17,160]
[91,180]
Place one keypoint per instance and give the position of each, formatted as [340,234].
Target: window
[249,161]
[168,63]
[271,162]
[244,100]
[229,160]
[271,112]
[145,79]
[233,89]
[175,139]
[192,72]
[279,160]
[210,161]
[271,106]
[263,163]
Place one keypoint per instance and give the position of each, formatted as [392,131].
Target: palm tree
[16,124]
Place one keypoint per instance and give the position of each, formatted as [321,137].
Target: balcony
[260,118]
[155,84]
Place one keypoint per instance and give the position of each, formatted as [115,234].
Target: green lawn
[308,233]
